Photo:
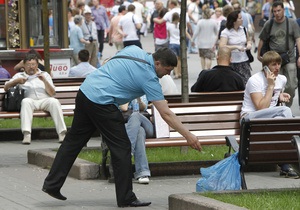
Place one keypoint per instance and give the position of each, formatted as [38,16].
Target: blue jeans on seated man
[138,129]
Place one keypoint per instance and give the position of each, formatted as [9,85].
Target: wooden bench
[266,141]
[211,122]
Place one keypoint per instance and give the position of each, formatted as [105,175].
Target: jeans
[271,112]
[138,129]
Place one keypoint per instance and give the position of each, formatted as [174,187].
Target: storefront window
[35,23]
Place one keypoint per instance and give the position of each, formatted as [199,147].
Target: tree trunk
[184,67]
[46,35]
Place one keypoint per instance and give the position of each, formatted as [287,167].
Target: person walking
[206,36]
[119,81]
[128,26]
[100,17]
[90,34]
[277,35]
[114,36]
[234,37]
[77,40]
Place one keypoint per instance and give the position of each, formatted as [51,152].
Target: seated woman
[41,66]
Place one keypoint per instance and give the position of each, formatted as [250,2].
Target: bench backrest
[208,97]
[210,121]
[268,141]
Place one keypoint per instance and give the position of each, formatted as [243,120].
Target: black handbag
[13,99]
[285,58]
[262,22]
[248,52]
[250,56]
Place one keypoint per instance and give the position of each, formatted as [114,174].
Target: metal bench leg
[231,142]
[243,180]
[296,143]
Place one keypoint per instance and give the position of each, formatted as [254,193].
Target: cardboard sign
[60,68]
[162,129]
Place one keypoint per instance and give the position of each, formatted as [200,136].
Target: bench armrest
[232,142]
[296,143]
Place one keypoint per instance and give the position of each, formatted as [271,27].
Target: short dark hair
[276,4]
[84,55]
[121,8]
[166,57]
[33,51]
[29,57]
[231,18]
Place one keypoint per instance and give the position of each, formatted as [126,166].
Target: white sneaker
[143,180]
[61,136]
[27,138]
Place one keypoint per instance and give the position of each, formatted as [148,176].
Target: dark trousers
[88,117]
[100,34]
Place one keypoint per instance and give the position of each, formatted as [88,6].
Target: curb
[81,169]
[194,201]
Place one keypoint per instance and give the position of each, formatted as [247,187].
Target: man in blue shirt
[129,75]
[84,68]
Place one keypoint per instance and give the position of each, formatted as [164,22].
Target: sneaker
[290,173]
[27,138]
[255,50]
[143,180]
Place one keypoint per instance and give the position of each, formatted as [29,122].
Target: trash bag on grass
[224,175]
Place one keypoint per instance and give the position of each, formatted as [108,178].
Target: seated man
[39,90]
[138,128]
[263,92]
[84,68]
[221,78]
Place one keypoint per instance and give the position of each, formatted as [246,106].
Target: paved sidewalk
[21,183]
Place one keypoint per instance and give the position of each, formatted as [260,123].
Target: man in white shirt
[128,26]
[39,92]
[84,68]
[264,90]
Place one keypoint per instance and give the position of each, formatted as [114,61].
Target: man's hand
[192,140]
[21,80]
[284,97]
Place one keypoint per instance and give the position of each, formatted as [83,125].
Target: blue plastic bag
[224,175]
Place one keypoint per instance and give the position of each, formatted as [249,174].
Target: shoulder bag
[250,56]
[13,99]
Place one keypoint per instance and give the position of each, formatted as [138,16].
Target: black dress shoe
[136,203]
[55,194]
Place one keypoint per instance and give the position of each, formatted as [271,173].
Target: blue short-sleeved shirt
[122,80]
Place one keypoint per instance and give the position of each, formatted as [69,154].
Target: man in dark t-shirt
[221,78]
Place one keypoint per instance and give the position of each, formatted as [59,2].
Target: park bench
[211,122]
[266,141]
